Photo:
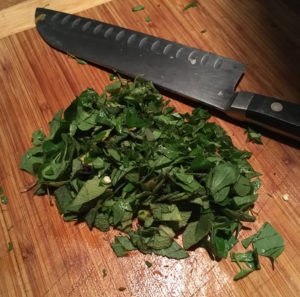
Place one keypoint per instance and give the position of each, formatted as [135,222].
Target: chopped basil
[4,200]
[104,272]
[148,264]
[253,136]
[193,4]
[10,246]
[126,155]
[138,8]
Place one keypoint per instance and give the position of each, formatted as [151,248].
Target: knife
[188,72]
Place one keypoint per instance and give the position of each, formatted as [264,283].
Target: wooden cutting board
[54,258]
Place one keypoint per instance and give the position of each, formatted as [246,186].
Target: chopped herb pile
[253,136]
[125,155]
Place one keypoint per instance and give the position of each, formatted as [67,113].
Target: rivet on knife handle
[271,113]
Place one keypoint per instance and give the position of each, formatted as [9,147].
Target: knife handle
[271,113]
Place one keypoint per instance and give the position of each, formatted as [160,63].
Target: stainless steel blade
[189,72]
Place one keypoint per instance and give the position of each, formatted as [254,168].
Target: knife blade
[205,77]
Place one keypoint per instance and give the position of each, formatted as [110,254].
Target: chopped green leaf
[195,231]
[112,77]
[126,154]
[253,136]
[148,19]
[250,258]
[104,272]
[267,241]
[203,31]
[148,264]
[4,200]
[138,8]
[10,246]
[193,4]
[80,61]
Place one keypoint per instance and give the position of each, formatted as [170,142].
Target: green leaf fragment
[253,136]
[104,272]
[195,231]
[10,246]
[148,19]
[4,200]
[193,4]
[148,264]
[267,241]
[138,8]
[80,61]
[127,154]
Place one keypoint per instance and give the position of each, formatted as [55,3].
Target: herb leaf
[126,155]
[138,8]
[193,4]
[253,136]
[267,241]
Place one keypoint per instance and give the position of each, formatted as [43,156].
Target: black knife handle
[271,113]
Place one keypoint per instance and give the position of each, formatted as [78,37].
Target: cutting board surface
[54,258]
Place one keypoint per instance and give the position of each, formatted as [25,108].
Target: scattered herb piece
[148,264]
[112,77]
[104,273]
[122,289]
[138,8]
[147,19]
[125,155]
[270,195]
[250,258]
[10,246]
[203,31]
[1,190]
[4,200]
[193,4]
[243,271]
[253,136]
[79,61]
[267,241]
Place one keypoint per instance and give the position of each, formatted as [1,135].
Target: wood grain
[19,17]
[54,258]
[8,3]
